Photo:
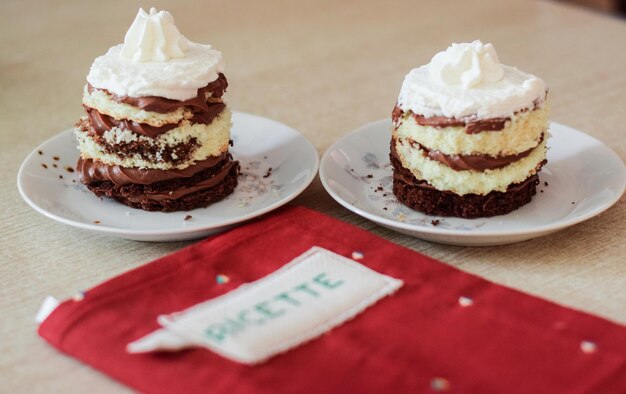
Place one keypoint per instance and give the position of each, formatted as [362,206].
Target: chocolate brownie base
[129,194]
[421,196]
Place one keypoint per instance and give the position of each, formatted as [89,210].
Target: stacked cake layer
[468,151]
[157,152]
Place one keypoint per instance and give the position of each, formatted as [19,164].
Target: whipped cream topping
[156,60]
[468,81]
[467,65]
[153,37]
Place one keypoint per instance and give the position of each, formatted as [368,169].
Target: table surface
[324,68]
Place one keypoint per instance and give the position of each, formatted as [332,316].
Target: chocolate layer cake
[156,130]
[469,135]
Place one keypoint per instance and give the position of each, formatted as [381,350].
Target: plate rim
[473,233]
[182,231]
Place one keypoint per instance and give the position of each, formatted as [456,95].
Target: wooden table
[325,68]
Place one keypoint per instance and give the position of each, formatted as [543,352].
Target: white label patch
[308,296]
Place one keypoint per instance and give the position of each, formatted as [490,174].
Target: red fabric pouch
[444,330]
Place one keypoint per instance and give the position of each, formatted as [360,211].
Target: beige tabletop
[324,68]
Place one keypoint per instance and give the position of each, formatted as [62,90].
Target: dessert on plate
[156,131]
[469,134]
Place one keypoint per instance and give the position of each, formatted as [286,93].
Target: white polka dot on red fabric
[221,279]
[356,255]
[439,384]
[465,301]
[588,347]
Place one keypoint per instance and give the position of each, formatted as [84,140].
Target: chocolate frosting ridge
[467,162]
[474,162]
[472,126]
[405,175]
[164,105]
[102,123]
[183,191]
[96,171]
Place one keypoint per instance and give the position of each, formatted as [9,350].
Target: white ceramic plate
[259,144]
[584,178]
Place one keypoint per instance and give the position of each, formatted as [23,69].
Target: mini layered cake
[469,135]
[156,132]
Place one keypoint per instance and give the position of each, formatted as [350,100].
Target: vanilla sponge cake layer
[212,140]
[444,178]
[520,134]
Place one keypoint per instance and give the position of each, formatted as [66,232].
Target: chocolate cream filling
[96,171]
[473,162]
[102,123]
[405,175]
[216,179]
[204,110]
[164,105]
[472,126]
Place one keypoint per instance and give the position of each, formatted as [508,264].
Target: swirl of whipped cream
[468,81]
[466,64]
[156,60]
[153,38]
